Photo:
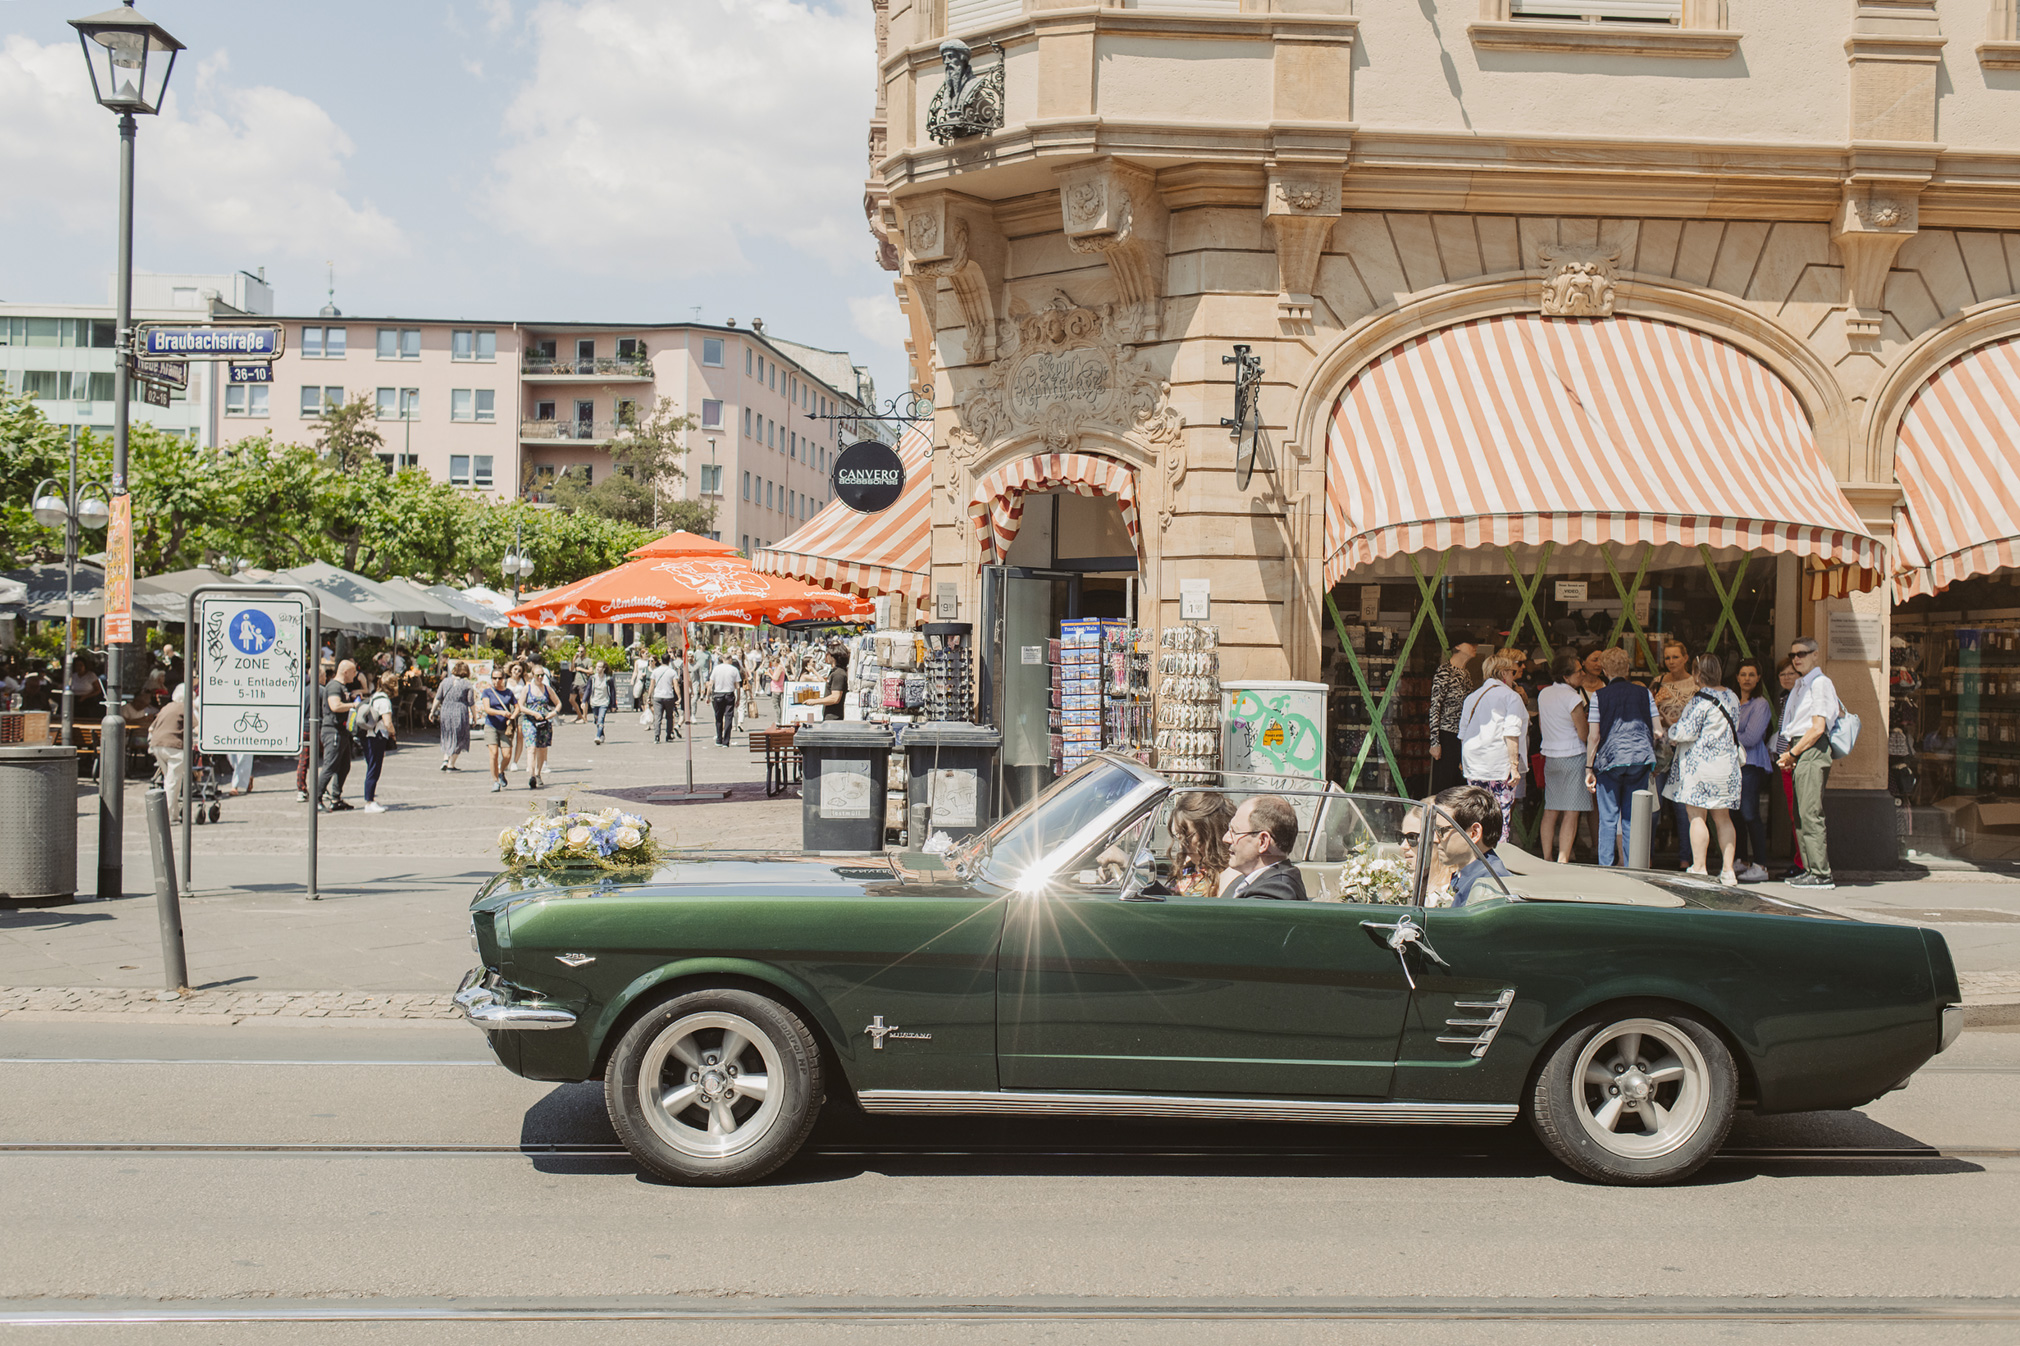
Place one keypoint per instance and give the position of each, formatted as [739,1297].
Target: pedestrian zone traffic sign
[251,673]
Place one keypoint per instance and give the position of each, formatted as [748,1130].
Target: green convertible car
[1047,968]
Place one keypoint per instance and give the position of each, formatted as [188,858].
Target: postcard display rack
[1100,691]
[1189,708]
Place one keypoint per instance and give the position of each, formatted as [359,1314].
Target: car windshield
[1007,851]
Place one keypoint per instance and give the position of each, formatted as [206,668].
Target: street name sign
[212,343]
[259,373]
[174,373]
[251,673]
[154,394]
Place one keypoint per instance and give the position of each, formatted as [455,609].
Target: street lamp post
[516,564]
[74,509]
[121,49]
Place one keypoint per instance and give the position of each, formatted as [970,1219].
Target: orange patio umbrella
[684,589]
[684,543]
[723,590]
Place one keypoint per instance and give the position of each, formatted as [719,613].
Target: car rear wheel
[1635,1098]
[714,1087]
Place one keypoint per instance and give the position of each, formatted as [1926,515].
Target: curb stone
[233,1005]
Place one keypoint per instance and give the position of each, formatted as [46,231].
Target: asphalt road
[240,1178]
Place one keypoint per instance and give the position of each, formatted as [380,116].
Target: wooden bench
[782,758]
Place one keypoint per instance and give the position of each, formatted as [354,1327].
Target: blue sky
[620,160]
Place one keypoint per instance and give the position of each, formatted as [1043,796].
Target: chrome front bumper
[488,1008]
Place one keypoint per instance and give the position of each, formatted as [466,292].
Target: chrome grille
[1480,1041]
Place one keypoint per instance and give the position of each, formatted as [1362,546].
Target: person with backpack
[500,710]
[375,732]
[1705,775]
[339,699]
[1812,708]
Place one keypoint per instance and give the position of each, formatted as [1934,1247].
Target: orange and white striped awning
[1522,429]
[890,551]
[997,505]
[1956,460]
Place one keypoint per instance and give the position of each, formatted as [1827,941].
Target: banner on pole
[119,572]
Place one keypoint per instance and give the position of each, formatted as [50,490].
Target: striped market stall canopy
[1955,461]
[867,554]
[1522,429]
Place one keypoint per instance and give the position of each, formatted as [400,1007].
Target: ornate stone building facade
[1830,188]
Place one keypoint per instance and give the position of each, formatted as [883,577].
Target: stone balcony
[580,432]
[601,369]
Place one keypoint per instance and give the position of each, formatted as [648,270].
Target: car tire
[1635,1096]
[686,1108]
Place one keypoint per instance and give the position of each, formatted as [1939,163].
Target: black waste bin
[952,770]
[846,768]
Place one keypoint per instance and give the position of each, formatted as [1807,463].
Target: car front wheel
[714,1087]
[1635,1099]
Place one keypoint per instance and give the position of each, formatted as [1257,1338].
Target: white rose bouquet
[611,839]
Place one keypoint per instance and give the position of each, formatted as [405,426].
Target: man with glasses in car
[1467,820]
[1259,839]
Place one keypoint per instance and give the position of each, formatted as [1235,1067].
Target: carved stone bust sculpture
[968,102]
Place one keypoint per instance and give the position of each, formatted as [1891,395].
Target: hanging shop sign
[251,668]
[212,343]
[869,475]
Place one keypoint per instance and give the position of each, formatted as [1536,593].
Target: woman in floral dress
[1705,775]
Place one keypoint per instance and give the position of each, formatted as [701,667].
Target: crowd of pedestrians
[1591,737]
[517,710]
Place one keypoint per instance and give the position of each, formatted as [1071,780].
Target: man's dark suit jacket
[1281,882]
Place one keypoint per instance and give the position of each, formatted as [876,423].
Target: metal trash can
[846,769]
[38,824]
[952,770]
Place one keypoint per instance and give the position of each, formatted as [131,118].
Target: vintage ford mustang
[1047,967]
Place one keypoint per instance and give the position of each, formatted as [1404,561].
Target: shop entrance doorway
[1072,560]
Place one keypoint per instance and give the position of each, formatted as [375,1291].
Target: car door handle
[1399,935]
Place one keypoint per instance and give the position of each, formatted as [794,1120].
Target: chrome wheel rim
[1641,1088]
[710,1084]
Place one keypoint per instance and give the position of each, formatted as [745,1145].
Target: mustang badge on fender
[878,1032]
[575,959]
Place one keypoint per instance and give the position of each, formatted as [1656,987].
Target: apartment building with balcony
[62,354]
[507,407]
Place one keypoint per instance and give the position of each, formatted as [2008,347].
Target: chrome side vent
[1497,1010]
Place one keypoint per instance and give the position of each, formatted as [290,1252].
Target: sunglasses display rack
[1189,709]
[948,667]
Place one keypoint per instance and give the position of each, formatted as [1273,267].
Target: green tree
[31,449]
[349,436]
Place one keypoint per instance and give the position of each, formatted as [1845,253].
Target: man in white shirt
[1806,723]
[666,696]
[723,681]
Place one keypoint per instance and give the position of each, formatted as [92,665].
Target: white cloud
[674,139]
[880,320]
[248,172]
